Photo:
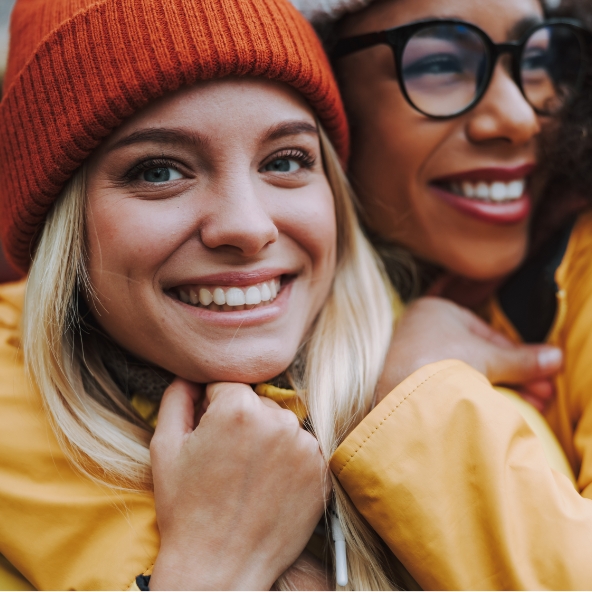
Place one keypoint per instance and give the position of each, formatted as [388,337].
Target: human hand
[237,497]
[434,329]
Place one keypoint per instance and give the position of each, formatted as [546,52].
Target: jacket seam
[386,417]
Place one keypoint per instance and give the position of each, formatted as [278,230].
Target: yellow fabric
[444,468]
[551,448]
[456,482]
[10,579]
[570,415]
[58,529]
[146,409]
[286,398]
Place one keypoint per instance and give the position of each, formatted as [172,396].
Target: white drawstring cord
[340,553]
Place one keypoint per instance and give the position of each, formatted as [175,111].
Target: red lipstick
[502,212]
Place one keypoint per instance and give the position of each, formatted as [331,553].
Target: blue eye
[282,165]
[160,175]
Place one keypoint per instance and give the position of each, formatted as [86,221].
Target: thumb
[521,364]
[176,419]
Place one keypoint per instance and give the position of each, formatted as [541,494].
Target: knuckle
[288,420]
[239,411]
[157,445]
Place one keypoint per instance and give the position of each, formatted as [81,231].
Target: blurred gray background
[5,8]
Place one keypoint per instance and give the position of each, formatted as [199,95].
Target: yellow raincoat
[445,469]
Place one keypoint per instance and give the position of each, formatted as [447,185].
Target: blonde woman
[172,184]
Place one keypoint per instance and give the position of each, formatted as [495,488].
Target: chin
[483,258]
[246,371]
[486,269]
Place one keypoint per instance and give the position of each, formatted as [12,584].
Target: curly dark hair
[566,150]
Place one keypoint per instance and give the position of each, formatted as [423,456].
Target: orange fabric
[78,68]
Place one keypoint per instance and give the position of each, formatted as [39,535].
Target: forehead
[222,108]
[498,18]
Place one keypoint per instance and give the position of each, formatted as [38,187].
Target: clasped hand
[239,488]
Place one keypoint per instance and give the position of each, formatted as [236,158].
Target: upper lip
[235,278]
[489,174]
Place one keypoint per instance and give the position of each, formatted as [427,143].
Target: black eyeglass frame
[398,37]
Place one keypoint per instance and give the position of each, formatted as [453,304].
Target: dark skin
[397,153]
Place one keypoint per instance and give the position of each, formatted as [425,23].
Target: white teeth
[219,296]
[205,297]
[496,191]
[265,293]
[229,299]
[235,297]
[482,191]
[253,296]
[515,189]
[468,189]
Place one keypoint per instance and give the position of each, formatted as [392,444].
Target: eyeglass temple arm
[352,44]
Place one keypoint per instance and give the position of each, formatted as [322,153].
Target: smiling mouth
[490,192]
[231,298]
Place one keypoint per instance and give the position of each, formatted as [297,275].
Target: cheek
[313,226]
[130,237]
[309,223]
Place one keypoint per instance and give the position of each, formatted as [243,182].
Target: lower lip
[243,318]
[511,212]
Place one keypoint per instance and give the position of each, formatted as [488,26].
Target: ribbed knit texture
[78,68]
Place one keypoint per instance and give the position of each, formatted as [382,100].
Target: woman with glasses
[448,102]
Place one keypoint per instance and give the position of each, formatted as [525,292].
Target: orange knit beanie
[78,68]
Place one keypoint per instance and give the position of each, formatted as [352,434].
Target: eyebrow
[290,128]
[523,25]
[162,136]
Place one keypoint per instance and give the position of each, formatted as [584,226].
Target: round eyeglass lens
[443,68]
[552,67]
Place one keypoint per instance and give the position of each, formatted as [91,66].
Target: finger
[540,389]
[480,328]
[219,390]
[522,364]
[269,403]
[176,416]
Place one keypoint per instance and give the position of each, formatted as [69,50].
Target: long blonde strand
[99,430]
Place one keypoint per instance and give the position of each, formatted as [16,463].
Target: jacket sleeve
[59,529]
[453,479]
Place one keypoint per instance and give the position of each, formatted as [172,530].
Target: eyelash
[306,160]
[304,157]
[146,165]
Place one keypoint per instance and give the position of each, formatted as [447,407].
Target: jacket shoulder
[59,529]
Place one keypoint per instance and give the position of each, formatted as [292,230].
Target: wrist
[174,570]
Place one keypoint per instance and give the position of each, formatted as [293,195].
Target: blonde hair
[343,357]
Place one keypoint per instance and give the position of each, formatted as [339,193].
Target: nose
[238,221]
[503,113]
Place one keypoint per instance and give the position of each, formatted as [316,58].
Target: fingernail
[550,357]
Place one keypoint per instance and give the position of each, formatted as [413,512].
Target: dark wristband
[143,582]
